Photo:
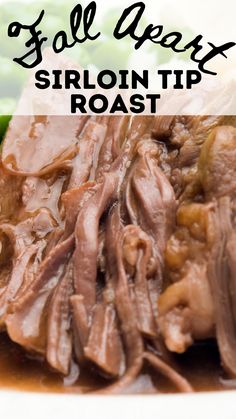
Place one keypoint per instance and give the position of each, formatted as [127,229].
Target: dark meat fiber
[118,242]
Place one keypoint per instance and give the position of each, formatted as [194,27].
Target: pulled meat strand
[59,336]
[133,341]
[117,242]
[27,315]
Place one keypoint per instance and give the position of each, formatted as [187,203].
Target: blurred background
[106,52]
[213,18]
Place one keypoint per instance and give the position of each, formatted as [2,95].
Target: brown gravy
[200,365]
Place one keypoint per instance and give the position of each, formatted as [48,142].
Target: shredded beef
[118,242]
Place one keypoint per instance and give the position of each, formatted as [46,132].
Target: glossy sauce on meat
[117,253]
[201,365]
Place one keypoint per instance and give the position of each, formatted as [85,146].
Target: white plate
[22,405]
